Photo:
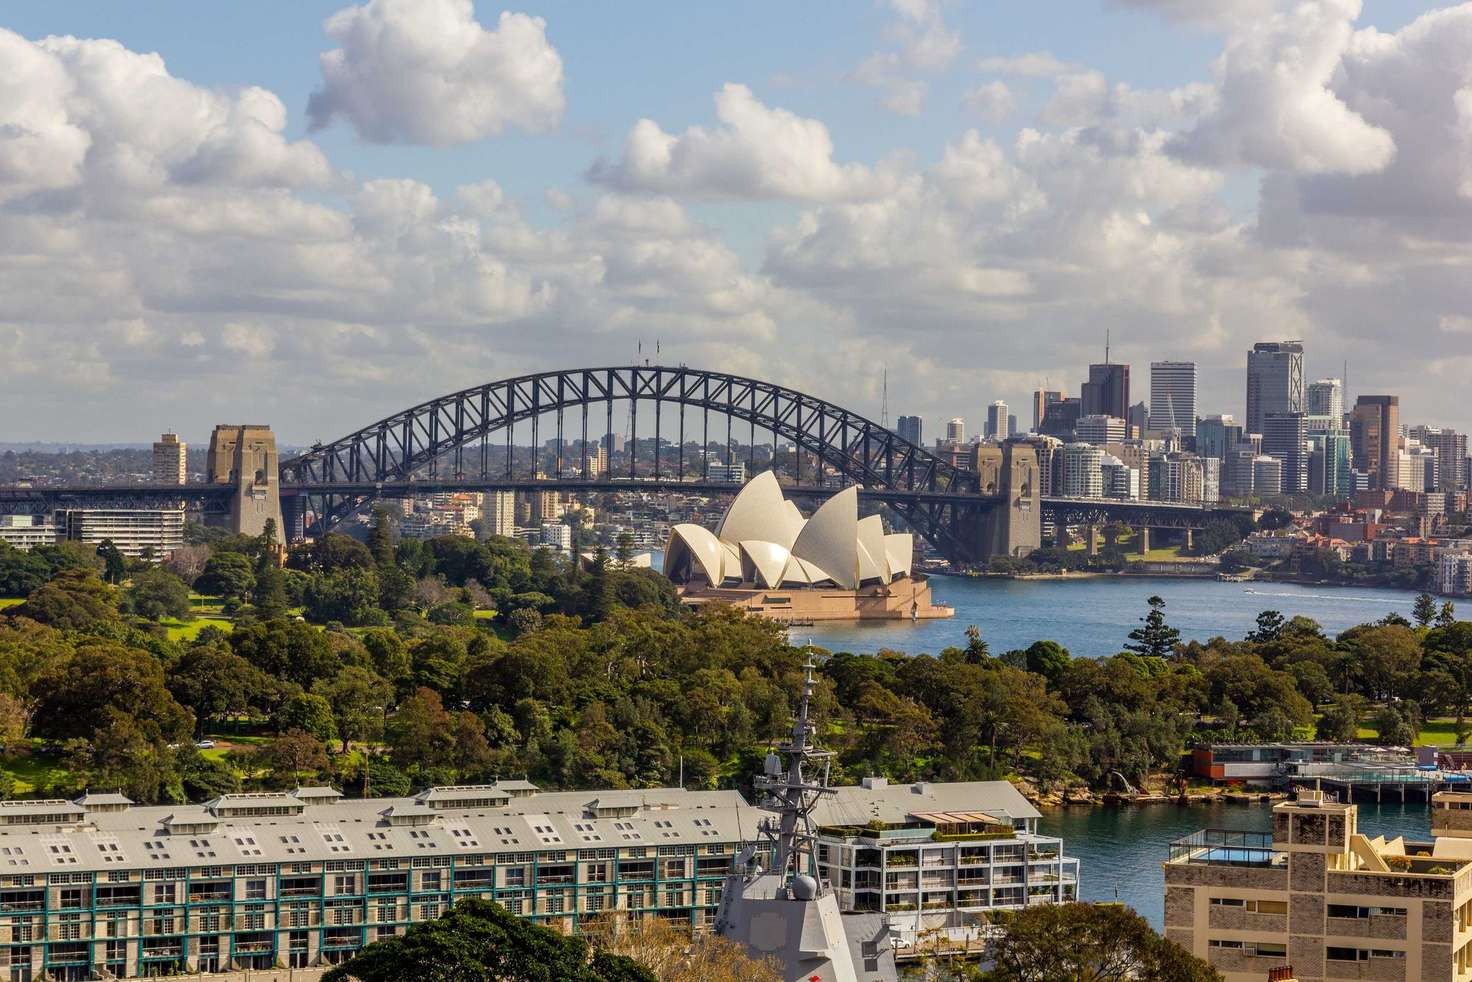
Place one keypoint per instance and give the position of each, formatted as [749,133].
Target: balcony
[1227,847]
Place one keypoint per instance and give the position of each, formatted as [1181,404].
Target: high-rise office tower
[1011,424]
[996,421]
[1041,400]
[1060,418]
[1285,438]
[956,430]
[1325,399]
[1451,454]
[1274,381]
[1173,396]
[1138,420]
[1328,464]
[1100,430]
[1216,436]
[1374,436]
[910,428]
[169,460]
[501,514]
[1107,392]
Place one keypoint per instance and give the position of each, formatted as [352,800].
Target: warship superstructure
[787,913]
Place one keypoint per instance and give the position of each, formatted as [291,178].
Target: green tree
[1340,722]
[623,549]
[349,595]
[156,593]
[479,939]
[21,572]
[270,593]
[293,757]
[1048,659]
[307,712]
[73,600]
[381,537]
[1395,728]
[1094,942]
[1269,627]
[286,649]
[1447,615]
[102,682]
[1423,611]
[228,575]
[114,566]
[359,701]
[216,683]
[1155,638]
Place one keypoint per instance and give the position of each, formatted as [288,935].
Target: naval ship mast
[789,836]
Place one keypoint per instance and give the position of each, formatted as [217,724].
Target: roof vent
[875,783]
[920,787]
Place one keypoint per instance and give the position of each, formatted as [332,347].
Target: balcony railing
[1227,847]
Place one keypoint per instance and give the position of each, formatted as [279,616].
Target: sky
[314,214]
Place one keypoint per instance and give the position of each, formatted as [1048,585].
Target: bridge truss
[468,438]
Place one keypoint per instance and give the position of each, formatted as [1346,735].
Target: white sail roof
[830,539]
[703,547]
[763,539]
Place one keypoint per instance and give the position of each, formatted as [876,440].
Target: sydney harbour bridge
[466,441]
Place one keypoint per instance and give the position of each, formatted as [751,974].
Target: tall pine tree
[1154,638]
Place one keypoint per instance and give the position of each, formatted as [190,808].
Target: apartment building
[101,887]
[135,531]
[939,855]
[1316,895]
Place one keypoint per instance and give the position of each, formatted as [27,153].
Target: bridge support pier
[1093,539]
[1190,543]
[1144,539]
[244,456]
[1061,538]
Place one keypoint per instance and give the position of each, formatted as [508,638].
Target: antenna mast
[884,399]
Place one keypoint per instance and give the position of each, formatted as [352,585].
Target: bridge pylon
[244,456]
[1012,527]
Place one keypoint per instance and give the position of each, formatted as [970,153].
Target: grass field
[1439,731]
[189,630]
[34,771]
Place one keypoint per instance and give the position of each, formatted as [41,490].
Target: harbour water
[1093,616]
[1120,849]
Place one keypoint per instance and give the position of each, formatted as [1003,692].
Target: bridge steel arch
[450,437]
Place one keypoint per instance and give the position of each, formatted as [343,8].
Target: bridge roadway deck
[1166,511]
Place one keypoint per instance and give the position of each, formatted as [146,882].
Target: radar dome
[804,887]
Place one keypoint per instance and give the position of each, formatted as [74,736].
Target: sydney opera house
[766,557]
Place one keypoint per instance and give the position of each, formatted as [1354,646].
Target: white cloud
[1207,13]
[1276,106]
[993,101]
[425,71]
[757,152]
[921,43]
[1033,64]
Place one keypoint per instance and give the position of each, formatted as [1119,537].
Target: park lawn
[189,630]
[1164,554]
[1440,731]
[34,771]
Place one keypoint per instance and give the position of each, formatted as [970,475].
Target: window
[163,893]
[1346,954]
[1349,910]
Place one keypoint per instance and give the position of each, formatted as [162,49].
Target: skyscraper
[1100,430]
[1285,438]
[1374,436]
[1216,436]
[1325,399]
[996,421]
[1107,392]
[1451,454]
[1041,400]
[956,430]
[1173,396]
[169,460]
[910,428]
[1274,381]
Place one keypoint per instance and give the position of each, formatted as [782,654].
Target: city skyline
[288,244]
